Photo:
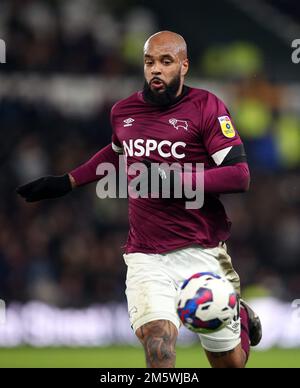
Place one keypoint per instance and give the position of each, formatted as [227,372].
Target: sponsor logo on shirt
[128,122]
[226,126]
[179,124]
[165,148]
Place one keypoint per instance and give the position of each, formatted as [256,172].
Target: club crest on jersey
[226,126]
[128,122]
[179,124]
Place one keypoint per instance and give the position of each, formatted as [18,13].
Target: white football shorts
[154,280]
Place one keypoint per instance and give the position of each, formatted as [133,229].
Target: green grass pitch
[131,357]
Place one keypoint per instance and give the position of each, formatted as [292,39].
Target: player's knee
[233,364]
[235,359]
[228,363]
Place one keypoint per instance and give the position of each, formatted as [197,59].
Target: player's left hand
[45,188]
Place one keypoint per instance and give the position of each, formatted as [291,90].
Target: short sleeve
[115,142]
[217,128]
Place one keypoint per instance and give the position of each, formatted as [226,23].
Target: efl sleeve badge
[226,126]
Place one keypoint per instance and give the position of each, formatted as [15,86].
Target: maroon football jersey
[189,131]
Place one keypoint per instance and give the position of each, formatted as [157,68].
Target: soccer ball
[207,303]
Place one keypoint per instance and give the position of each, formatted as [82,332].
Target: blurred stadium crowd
[69,252]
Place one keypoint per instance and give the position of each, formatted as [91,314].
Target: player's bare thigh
[234,358]
[159,339]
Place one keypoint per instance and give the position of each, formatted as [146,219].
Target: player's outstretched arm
[49,187]
[87,172]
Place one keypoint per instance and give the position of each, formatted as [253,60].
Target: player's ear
[184,67]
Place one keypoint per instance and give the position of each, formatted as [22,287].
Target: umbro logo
[179,124]
[128,122]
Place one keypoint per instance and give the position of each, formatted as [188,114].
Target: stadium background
[67,63]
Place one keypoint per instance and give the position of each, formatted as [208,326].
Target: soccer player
[170,122]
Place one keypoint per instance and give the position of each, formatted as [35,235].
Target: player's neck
[183,92]
[180,90]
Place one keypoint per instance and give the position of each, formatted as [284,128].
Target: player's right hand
[45,188]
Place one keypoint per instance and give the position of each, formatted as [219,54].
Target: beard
[162,98]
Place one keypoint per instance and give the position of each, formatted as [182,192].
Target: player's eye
[167,62]
[148,62]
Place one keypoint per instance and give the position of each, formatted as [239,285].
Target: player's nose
[156,70]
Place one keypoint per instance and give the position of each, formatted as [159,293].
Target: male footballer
[169,122]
